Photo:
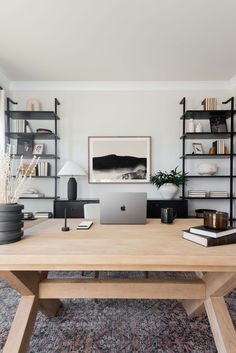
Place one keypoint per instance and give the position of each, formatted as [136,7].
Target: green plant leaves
[174,177]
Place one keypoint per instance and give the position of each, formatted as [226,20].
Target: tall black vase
[72,189]
[11,223]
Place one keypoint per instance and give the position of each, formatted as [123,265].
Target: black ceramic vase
[11,223]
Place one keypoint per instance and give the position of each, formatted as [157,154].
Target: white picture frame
[38,148]
[197,148]
[119,159]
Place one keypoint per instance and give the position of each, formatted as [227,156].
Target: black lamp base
[72,189]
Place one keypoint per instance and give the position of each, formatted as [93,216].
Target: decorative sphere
[207,168]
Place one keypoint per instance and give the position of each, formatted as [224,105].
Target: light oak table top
[150,247]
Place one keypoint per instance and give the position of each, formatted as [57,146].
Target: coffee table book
[213,233]
[209,241]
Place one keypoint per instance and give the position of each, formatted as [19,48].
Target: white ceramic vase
[190,126]
[168,191]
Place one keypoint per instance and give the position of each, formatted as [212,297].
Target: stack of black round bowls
[11,223]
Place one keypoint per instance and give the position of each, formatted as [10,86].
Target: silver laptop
[123,208]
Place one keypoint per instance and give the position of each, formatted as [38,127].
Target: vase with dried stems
[13,182]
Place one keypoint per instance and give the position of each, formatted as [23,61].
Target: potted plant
[13,183]
[168,183]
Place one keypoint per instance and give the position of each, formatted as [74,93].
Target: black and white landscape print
[119,159]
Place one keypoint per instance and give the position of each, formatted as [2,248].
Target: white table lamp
[71,169]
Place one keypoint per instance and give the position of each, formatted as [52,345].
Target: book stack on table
[210,237]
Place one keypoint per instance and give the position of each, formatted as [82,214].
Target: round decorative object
[207,168]
[10,223]
[168,191]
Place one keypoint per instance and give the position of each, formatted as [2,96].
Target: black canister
[11,226]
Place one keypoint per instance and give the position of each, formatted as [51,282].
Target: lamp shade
[71,168]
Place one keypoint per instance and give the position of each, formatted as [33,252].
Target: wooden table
[151,247]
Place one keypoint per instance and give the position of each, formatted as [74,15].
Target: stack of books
[219,147]
[210,237]
[197,193]
[209,103]
[20,126]
[43,214]
[43,169]
[32,194]
[218,194]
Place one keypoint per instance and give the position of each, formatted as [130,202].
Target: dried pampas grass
[12,182]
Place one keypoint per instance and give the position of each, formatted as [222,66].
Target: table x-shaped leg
[217,286]
[27,284]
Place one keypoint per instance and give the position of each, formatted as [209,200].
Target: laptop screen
[123,208]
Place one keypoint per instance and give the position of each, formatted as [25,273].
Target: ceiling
[118,40]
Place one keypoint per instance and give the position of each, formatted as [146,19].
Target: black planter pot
[10,223]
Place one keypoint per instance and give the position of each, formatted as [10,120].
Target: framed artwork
[197,148]
[119,159]
[38,148]
[218,124]
[24,147]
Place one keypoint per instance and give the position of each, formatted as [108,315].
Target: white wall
[119,113]
[2,121]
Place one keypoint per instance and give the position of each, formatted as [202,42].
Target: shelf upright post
[56,102]
[231,101]
[183,102]
[9,101]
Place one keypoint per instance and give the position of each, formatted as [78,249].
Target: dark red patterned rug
[115,326]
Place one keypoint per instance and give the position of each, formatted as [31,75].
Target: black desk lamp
[71,169]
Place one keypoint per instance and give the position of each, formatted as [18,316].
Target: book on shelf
[213,233]
[209,104]
[218,194]
[43,169]
[32,195]
[27,170]
[219,147]
[21,126]
[209,241]
[197,193]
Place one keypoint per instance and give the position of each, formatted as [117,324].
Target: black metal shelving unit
[206,115]
[36,115]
